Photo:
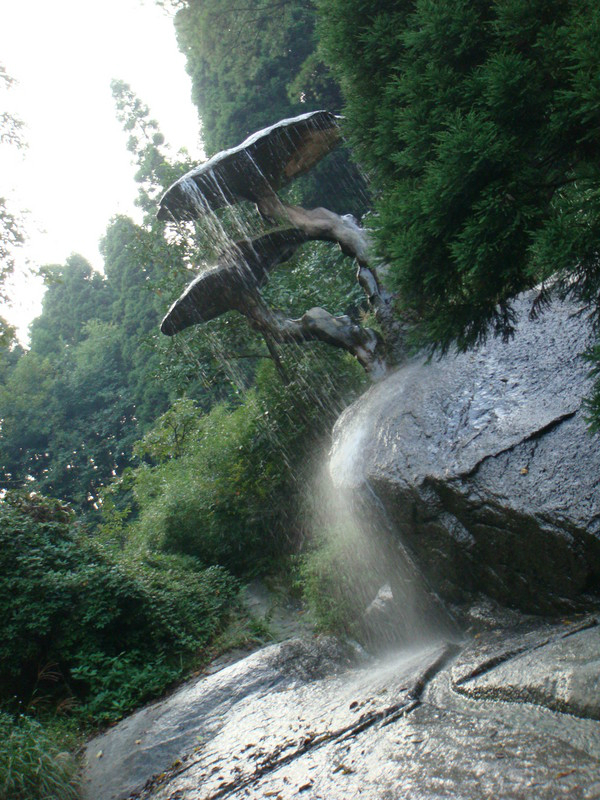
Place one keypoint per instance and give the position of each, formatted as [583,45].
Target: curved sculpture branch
[254,171]
[322,224]
[260,165]
[245,266]
[234,285]
[318,324]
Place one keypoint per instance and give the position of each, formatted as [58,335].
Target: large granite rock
[485,466]
[306,719]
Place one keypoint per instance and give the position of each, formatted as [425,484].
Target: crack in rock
[279,758]
[501,658]
[558,673]
[531,437]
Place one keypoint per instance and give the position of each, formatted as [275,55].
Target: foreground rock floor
[510,713]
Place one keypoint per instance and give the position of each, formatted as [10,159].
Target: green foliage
[67,415]
[340,575]
[240,60]
[205,504]
[11,223]
[118,684]
[328,588]
[319,275]
[229,497]
[171,434]
[32,765]
[593,401]
[76,621]
[73,405]
[75,294]
[479,123]
[156,169]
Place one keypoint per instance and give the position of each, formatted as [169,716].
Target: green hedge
[76,623]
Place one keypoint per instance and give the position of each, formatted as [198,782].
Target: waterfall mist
[358,577]
[360,580]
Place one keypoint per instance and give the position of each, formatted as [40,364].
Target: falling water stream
[394,606]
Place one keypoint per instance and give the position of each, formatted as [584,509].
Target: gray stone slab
[484,464]
[280,730]
[121,760]
[563,675]
[434,755]
[304,719]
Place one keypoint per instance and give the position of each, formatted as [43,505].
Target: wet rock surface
[484,464]
[489,717]
[560,672]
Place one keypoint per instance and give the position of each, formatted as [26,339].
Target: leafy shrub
[340,576]
[327,590]
[115,633]
[116,684]
[230,498]
[32,766]
[198,504]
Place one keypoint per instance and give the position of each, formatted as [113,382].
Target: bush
[32,766]
[230,498]
[117,684]
[340,576]
[202,504]
[74,620]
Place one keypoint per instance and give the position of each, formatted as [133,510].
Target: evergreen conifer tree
[479,123]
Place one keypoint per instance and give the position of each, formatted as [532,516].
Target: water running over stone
[313,719]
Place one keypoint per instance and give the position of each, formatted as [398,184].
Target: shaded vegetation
[251,64]
[85,628]
[478,122]
[223,487]
[33,764]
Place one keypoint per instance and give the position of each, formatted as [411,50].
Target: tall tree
[73,406]
[156,167]
[74,295]
[479,123]
[11,223]
[27,420]
[241,61]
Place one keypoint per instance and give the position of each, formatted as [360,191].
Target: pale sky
[76,172]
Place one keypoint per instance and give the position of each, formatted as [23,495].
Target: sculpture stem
[316,324]
[324,225]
